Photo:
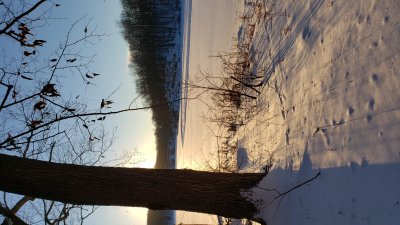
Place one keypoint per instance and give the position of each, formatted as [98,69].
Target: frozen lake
[209,27]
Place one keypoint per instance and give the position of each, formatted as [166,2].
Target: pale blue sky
[134,129]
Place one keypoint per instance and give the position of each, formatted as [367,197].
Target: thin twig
[297,186]
[9,88]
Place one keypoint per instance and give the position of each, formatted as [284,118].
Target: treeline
[151,28]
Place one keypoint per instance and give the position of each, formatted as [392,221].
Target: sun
[139,215]
[149,154]
[148,163]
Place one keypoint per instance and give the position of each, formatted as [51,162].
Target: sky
[134,130]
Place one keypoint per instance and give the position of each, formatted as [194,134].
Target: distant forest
[152,30]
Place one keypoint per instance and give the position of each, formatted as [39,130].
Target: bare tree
[39,119]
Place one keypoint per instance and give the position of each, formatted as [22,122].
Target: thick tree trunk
[189,190]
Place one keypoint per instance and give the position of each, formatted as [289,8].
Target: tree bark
[157,189]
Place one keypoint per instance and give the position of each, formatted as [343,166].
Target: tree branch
[297,186]
[9,88]
[19,101]
[16,19]
[223,90]
[77,116]
[20,203]
[246,84]
[10,217]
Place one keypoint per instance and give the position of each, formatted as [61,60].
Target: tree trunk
[157,189]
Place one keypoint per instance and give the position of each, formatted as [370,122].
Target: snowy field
[329,104]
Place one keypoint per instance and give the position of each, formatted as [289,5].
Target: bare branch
[55,120]
[9,88]
[19,17]
[10,217]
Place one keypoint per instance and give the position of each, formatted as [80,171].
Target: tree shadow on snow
[359,193]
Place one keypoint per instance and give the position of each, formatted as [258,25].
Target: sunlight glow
[139,215]
[148,150]
[146,164]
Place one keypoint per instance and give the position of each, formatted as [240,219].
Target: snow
[329,104]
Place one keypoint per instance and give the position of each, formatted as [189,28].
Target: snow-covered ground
[330,104]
